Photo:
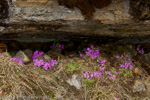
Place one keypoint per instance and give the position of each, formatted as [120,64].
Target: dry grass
[28,80]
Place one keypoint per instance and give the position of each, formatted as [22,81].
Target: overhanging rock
[60,30]
[47,20]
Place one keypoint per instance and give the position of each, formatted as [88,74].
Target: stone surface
[131,52]
[46,20]
[2,28]
[28,52]
[61,30]
[21,55]
[45,57]
[138,87]
[146,58]
[48,10]
[75,81]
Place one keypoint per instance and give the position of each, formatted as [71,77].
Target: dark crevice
[4,9]
[87,7]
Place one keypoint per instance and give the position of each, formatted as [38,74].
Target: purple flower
[17,60]
[130,67]
[101,68]
[108,72]
[111,77]
[102,62]
[142,51]
[81,54]
[117,97]
[38,63]
[37,54]
[116,72]
[121,66]
[52,46]
[92,46]
[125,58]
[46,65]
[88,49]
[86,75]
[117,56]
[62,46]
[97,74]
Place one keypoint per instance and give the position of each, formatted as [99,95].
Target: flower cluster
[87,75]
[94,74]
[61,46]
[126,65]
[102,68]
[111,76]
[102,62]
[17,60]
[91,52]
[37,54]
[45,65]
[140,51]
[38,63]
[97,74]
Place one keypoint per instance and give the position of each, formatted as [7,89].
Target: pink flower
[117,56]
[81,54]
[101,68]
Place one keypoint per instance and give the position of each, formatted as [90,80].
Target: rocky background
[106,11]
[52,20]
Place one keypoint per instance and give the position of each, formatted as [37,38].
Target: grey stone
[146,58]
[138,87]
[28,52]
[21,55]
[75,81]
[2,28]
[45,57]
[130,53]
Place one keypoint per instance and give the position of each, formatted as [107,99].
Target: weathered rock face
[59,20]
[140,9]
[4,9]
[48,10]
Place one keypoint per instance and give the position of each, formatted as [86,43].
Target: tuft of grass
[72,66]
[88,82]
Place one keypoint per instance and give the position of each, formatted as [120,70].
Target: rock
[146,58]
[131,52]
[28,52]
[2,28]
[54,55]
[137,71]
[75,81]
[138,87]
[21,55]
[147,84]
[45,57]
